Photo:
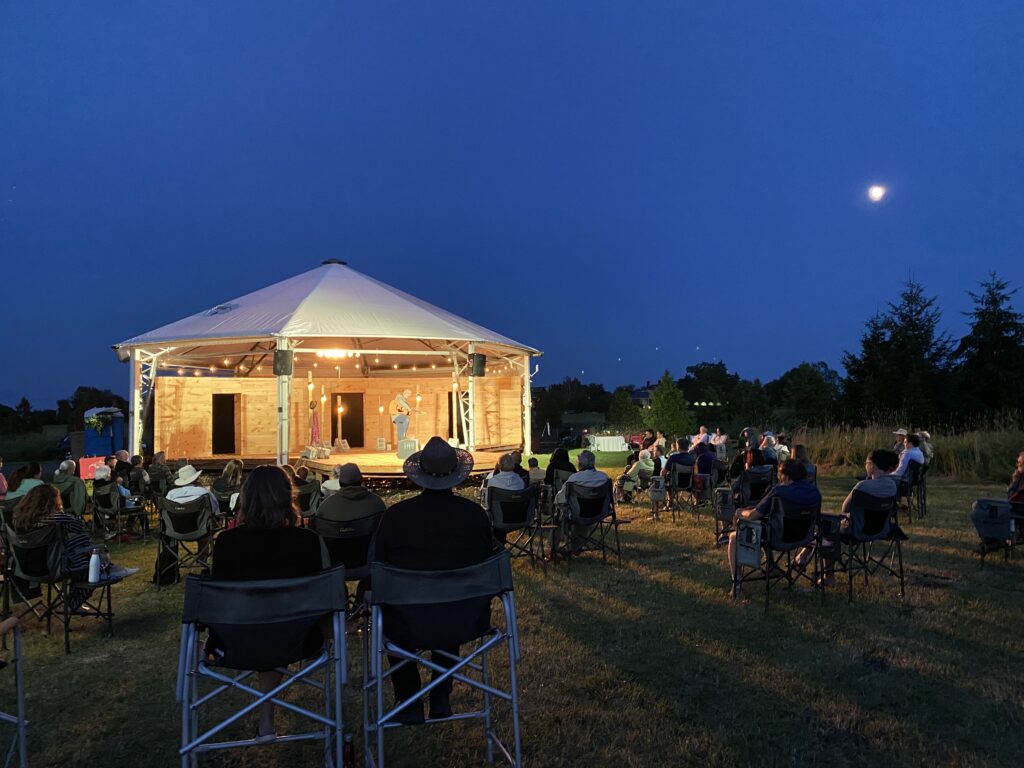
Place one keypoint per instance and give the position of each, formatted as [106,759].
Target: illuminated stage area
[380,464]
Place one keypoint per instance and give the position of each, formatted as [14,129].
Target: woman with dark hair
[24,480]
[267,543]
[559,461]
[231,478]
[42,506]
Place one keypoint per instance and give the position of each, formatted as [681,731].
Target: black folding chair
[514,520]
[183,525]
[873,522]
[348,544]
[396,587]
[262,625]
[788,529]
[38,556]
[680,484]
[909,490]
[590,523]
[754,484]
[997,526]
[307,498]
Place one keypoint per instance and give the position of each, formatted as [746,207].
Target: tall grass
[976,454]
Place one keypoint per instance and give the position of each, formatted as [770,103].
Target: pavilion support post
[284,386]
[527,409]
[471,417]
[135,404]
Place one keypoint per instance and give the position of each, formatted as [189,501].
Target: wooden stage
[371,463]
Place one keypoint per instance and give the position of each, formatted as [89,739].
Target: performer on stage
[400,410]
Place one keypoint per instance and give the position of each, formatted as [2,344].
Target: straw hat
[187,475]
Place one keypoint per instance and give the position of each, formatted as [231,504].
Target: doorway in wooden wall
[351,419]
[223,412]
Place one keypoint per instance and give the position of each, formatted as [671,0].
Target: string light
[181,371]
[226,361]
[395,366]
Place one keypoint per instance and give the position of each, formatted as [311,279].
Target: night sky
[661,182]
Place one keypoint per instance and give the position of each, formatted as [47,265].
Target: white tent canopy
[331,301]
[321,310]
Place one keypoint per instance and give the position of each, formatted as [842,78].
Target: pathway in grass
[644,665]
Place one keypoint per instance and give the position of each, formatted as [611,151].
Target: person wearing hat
[926,446]
[435,530]
[358,502]
[901,436]
[186,488]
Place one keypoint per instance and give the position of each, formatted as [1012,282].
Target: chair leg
[486,677]
[67,616]
[849,573]
[899,559]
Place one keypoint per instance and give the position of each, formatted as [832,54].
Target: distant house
[589,420]
[641,396]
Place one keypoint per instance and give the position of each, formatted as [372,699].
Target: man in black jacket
[434,531]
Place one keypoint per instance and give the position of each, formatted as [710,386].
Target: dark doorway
[223,422]
[351,419]
[454,422]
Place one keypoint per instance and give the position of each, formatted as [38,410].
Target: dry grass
[644,665]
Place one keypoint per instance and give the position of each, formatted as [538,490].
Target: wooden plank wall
[183,406]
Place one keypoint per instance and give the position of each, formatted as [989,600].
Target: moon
[876,192]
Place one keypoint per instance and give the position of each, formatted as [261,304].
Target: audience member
[927,449]
[24,479]
[702,436]
[648,440]
[792,487]
[289,470]
[719,438]
[267,542]
[186,488]
[898,446]
[3,479]
[435,530]
[230,479]
[505,475]
[658,459]
[768,448]
[681,456]
[661,442]
[643,466]
[559,462]
[705,461]
[749,438]
[104,478]
[160,476]
[519,469]
[911,452]
[122,469]
[800,454]
[752,458]
[138,478]
[353,501]
[536,473]
[71,486]
[1015,493]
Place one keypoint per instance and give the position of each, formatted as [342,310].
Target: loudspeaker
[477,364]
[407,448]
[284,362]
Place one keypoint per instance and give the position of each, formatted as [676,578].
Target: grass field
[644,665]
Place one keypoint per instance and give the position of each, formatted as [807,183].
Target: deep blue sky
[597,179]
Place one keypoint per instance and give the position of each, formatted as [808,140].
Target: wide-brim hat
[900,432]
[924,435]
[438,466]
[331,485]
[187,475]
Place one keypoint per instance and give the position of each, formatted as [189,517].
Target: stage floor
[371,463]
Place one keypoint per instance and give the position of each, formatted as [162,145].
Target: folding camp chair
[873,521]
[922,491]
[348,544]
[106,511]
[514,520]
[395,587]
[182,525]
[755,483]
[908,490]
[262,625]
[788,529]
[38,556]
[9,626]
[997,526]
[680,484]
[590,523]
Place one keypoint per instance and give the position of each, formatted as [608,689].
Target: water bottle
[94,565]
[348,751]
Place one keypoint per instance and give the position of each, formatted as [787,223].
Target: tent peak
[335,261]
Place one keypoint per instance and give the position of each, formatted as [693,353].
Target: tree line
[69,412]
[906,370]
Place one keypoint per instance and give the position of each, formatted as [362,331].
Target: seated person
[648,439]
[102,479]
[122,467]
[898,446]
[644,465]
[1015,493]
[661,441]
[702,436]
[792,487]
[658,459]
[719,438]
[187,488]
[353,501]
[504,475]
[436,530]
[681,456]
[160,475]
[523,473]
[911,452]
[230,479]
[927,449]
[42,506]
[138,478]
[800,454]
[536,473]
[3,479]
[880,482]
[24,479]
[559,462]
[588,476]
[781,449]
[768,449]
[752,458]
[70,485]
[266,543]
[706,464]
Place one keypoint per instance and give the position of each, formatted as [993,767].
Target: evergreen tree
[991,355]
[903,365]
[806,393]
[668,411]
[623,413]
